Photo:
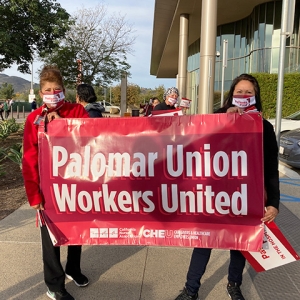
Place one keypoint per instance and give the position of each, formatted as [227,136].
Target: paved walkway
[139,273]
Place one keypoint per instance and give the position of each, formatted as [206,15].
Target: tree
[28,27]
[7,91]
[100,41]
[132,94]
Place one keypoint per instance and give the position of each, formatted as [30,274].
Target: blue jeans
[199,261]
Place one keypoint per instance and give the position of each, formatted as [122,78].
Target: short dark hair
[86,93]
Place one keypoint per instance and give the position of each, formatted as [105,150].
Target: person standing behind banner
[170,99]
[1,111]
[6,108]
[155,101]
[54,107]
[11,103]
[33,105]
[87,98]
[243,97]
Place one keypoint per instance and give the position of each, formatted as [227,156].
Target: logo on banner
[113,233]
[104,233]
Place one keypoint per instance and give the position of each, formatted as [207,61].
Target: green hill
[19,84]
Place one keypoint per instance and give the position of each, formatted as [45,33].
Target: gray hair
[169,91]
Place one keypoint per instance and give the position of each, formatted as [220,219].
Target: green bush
[268,89]
[15,154]
[7,127]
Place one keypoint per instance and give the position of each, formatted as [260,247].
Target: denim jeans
[199,261]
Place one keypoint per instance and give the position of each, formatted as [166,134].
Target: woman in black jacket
[244,96]
[86,96]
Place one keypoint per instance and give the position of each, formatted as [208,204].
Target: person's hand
[39,206]
[53,115]
[270,214]
[235,109]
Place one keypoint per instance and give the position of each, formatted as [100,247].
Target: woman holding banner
[243,97]
[54,107]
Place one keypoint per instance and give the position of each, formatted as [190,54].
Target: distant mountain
[19,84]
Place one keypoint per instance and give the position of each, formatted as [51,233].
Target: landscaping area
[12,192]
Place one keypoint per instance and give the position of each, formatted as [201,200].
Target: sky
[140,15]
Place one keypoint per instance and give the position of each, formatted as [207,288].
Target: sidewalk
[139,273]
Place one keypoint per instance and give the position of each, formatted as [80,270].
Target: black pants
[199,261]
[54,274]
[1,115]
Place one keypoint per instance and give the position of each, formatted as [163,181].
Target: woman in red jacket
[54,107]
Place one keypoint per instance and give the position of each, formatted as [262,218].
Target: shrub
[268,88]
[7,127]
[15,154]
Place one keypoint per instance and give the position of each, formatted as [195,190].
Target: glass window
[268,36]
[253,62]
[261,35]
[277,15]
[227,32]
[236,68]
[253,45]
[275,60]
[237,43]
[255,28]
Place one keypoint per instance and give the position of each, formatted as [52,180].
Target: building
[252,29]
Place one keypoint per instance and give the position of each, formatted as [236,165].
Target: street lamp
[31,95]
[224,65]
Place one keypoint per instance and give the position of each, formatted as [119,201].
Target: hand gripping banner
[191,181]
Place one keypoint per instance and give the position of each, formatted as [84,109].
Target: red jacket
[30,167]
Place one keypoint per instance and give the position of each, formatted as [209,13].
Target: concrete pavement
[127,272]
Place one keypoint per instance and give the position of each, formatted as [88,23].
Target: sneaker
[234,291]
[79,280]
[186,296]
[61,295]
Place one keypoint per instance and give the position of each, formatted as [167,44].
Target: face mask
[243,101]
[54,100]
[172,100]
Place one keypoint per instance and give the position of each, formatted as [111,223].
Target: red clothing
[30,167]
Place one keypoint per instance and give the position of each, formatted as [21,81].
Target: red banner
[192,181]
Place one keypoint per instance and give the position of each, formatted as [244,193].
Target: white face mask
[54,100]
[243,101]
[172,100]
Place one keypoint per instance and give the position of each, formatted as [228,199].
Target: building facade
[252,33]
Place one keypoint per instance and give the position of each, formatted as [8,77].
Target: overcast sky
[140,15]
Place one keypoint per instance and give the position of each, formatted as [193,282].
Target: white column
[207,56]
[183,54]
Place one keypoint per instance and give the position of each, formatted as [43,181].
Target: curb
[288,172]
